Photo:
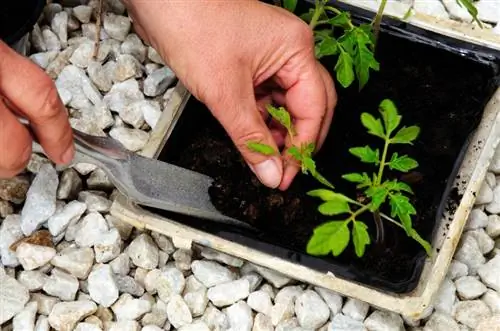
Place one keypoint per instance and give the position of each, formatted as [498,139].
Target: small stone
[69,185]
[228,293]
[84,168]
[492,299]
[10,232]
[76,261]
[152,328]
[260,301]
[65,315]
[158,81]
[127,67]
[116,26]
[13,296]
[5,209]
[485,243]
[254,280]
[440,321]
[276,279]
[468,252]
[122,94]
[94,202]
[332,299]
[445,297]
[457,269]
[493,207]
[490,273]
[57,66]
[43,59]
[121,264]
[157,316]
[342,322]
[162,259]
[239,316]
[133,113]
[50,10]
[312,312]
[262,323]
[108,246]
[383,320]
[124,325]
[87,327]
[169,282]
[143,252]
[355,309]
[42,324]
[34,256]
[25,319]
[133,45]
[211,273]
[493,227]
[37,40]
[178,312]
[485,194]
[471,313]
[33,280]
[268,289]
[99,76]
[151,112]
[51,40]
[128,308]
[132,139]
[82,13]
[154,56]
[90,230]
[14,189]
[288,293]
[71,212]
[102,285]
[62,285]
[477,219]
[40,200]
[59,25]
[45,303]
[197,302]
[282,310]
[125,229]
[164,243]
[215,319]
[195,326]
[83,54]
[127,284]
[212,254]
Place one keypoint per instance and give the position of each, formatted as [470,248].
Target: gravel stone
[485,243]
[10,232]
[158,81]
[282,310]
[116,26]
[52,42]
[178,312]
[490,273]
[276,279]
[468,252]
[25,319]
[33,280]
[121,264]
[170,282]
[108,246]
[71,212]
[69,184]
[127,284]
[14,189]
[45,303]
[77,261]
[494,206]
[42,324]
[5,209]
[212,254]
[90,229]
[311,311]
[43,59]
[493,227]
[82,13]
[196,301]
[262,323]
[471,313]
[260,301]
[34,256]
[228,293]
[469,288]
[40,200]
[154,56]
[211,273]
[102,285]
[13,296]
[65,315]
[129,308]
[239,316]
[157,316]
[133,45]
[445,297]
[384,321]
[143,252]
[440,321]
[355,309]
[477,219]
[457,269]
[332,299]
[127,67]
[341,322]
[490,324]
[99,75]
[123,94]
[62,285]
[492,299]
[59,25]
[94,202]
[254,280]
[132,139]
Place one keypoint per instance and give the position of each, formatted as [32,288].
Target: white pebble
[441,321]
[133,45]
[62,285]
[77,261]
[108,246]
[178,312]
[355,309]
[212,254]
[262,323]
[471,313]
[493,227]
[468,252]
[59,25]
[32,279]
[13,297]
[116,26]
[457,269]
[123,94]
[121,264]
[383,320]
[346,323]
[52,42]
[493,207]
[132,139]
[490,273]
[129,308]
[143,252]
[127,284]
[260,301]
[34,256]
[239,316]
[211,273]
[228,293]
[69,184]
[102,285]
[445,298]
[197,302]
[158,81]
[127,67]
[94,202]
[477,219]
[59,222]
[91,227]
[312,312]
[82,13]
[25,320]
[45,302]
[332,299]
[10,232]
[65,315]
[42,324]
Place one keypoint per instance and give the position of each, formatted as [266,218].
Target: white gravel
[102,274]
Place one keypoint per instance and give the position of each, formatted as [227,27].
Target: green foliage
[471,8]
[290,5]
[261,148]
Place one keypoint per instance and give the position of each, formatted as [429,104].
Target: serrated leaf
[261,148]
[327,195]
[366,154]
[390,116]
[374,125]
[308,149]
[394,185]
[364,60]
[471,9]
[402,163]
[326,47]
[294,151]
[406,135]
[344,69]
[378,195]
[334,207]
[424,243]
[360,237]
[403,209]
[281,115]
[290,5]
[341,20]
[308,164]
[329,237]
[321,179]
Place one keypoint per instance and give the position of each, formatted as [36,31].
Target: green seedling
[334,236]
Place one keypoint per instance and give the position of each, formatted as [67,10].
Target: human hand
[26,91]
[236,57]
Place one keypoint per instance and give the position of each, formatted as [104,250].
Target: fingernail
[268,172]
[68,155]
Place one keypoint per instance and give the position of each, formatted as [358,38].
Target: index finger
[33,93]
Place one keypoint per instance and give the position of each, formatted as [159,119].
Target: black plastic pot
[17,19]
[402,40]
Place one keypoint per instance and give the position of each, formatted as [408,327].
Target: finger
[33,93]
[236,110]
[15,144]
[331,102]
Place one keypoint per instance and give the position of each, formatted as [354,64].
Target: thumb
[237,112]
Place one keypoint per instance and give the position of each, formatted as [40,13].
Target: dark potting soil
[441,92]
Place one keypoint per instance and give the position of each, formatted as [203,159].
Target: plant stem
[378,20]
[339,12]
[378,180]
[380,228]
[318,10]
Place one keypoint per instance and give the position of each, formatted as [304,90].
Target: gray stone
[37,40]
[215,319]
[13,296]
[493,207]
[62,285]
[132,139]
[133,45]
[154,56]
[143,252]
[355,309]
[52,42]
[10,232]
[228,293]
[82,13]
[211,273]
[99,76]
[158,81]
[239,316]
[116,26]
[127,284]
[471,313]
[490,273]
[69,184]
[178,312]
[121,264]
[40,200]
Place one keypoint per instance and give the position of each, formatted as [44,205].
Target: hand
[26,91]
[236,57]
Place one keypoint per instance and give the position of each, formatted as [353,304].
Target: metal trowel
[148,182]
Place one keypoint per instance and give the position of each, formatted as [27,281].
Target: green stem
[378,20]
[318,10]
[339,12]
[378,180]
[384,216]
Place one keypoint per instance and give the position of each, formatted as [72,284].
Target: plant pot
[17,19]
[460,125]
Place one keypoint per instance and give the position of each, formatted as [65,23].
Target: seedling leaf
[373,125]
[363,57]
[406,135]
[394,185]
[290,5]
[366,154]
[424,243]
[328,46]
[390,116]
[362,179]
[327,195]
[360,237]
[344,70]
[402,208]
[341,20]
[402,163]
[332,237]
[377,194]
[261,148]
[471,9]
[334,207]
[282,116]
